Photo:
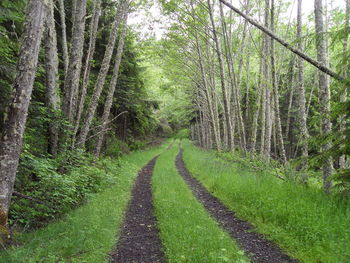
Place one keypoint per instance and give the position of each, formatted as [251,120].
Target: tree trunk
[222,79]
[99,82]
[254,132]
[64,36]
[267,84]
[208,96]
[344,94]
[72,77]
[113,83]
[289,111]
[324,91]
[89,58]
[15,121]
[278,125]
[234,81]
[302,123]
[52,83]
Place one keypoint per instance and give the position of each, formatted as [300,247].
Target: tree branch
[286,44]
[23,196]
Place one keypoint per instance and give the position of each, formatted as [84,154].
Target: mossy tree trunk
[15,121]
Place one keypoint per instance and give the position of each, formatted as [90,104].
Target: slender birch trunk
[15,121]
[344,95]
[72,77]
[64,35]
[302,123]
[207,95]
[289,111]
[253,137]
[112,85]
[324,91]
[278,125]
[90,113]
[266,135]
[222,79]
[52,79]
[234,80]
[87,68]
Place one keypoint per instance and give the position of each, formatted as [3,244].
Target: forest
[174,131]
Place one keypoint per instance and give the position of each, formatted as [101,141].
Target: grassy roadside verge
[310,225]
[188,233]
[88,233]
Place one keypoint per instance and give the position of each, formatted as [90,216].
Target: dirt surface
[255,245]
[139,239]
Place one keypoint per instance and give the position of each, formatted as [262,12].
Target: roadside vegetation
[311,225]
[88,233]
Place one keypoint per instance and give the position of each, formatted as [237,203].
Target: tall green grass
[308,224]
[88,233]
[188,233]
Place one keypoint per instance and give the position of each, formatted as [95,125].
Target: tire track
[256,246]
[139,240]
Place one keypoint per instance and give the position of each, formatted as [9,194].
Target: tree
[90,113]
[72,77]
[14,124]
[87,68]
[52,83]
[324,91]
[302,117]
[113,83]
[222,80]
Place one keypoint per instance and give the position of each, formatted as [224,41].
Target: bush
[56,192]
[116,148]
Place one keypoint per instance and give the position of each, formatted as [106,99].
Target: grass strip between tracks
[188,233]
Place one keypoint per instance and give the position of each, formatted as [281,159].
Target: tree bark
[290,106]
[234,79]
[15,121]
[324,91]
[208,96]
[90,54]
[222,79]
[278,125]
[64,36]
[52,80]
[99,82]
[344,94]
[113,83]
[267,86]
[254,130]
[302,123]
[72,77]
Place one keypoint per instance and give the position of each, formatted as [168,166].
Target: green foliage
[182,134]
[89,233]
[197,240]
[309,224]
[41,179]
[11,19]
[115,148]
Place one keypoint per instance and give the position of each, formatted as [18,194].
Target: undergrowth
[187,231]
[88,233]
[305,222]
